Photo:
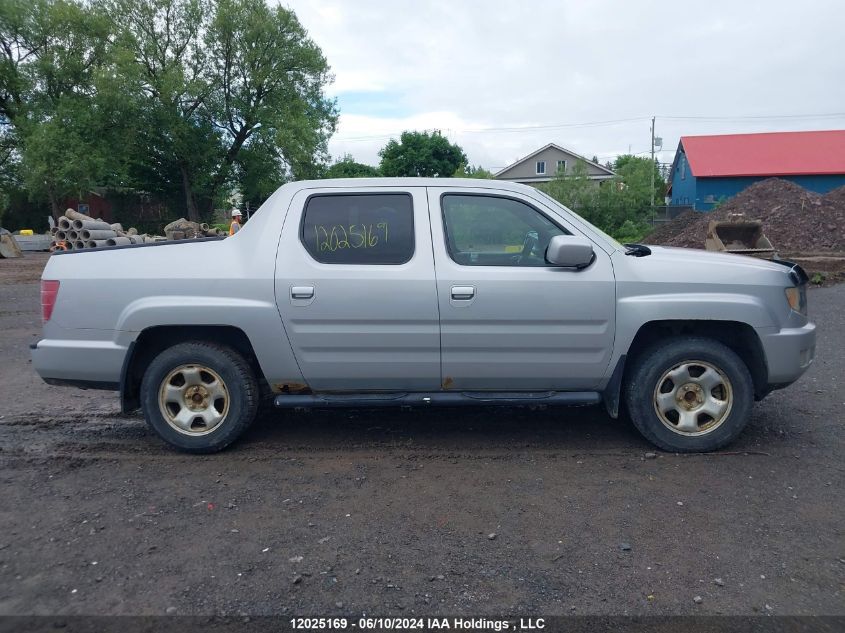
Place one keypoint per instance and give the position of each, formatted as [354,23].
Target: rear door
[355,286]
[508,320]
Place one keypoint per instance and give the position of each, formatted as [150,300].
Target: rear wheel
[199,397]
[689,394]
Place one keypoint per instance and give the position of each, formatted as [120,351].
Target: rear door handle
[301,292]
[463,292]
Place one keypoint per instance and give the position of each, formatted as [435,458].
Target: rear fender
[258,320]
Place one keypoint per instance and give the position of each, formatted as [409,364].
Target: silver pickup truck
[423,292]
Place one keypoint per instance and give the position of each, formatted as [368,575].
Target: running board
[436,398]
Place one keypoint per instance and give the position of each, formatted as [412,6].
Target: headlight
[797,298]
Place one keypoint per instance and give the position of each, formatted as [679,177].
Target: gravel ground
[562,511]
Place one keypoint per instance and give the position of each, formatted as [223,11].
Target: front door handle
[301,292]
[463,293]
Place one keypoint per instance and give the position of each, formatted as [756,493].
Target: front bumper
[789,353]
[79,362]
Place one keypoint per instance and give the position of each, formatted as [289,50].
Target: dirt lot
[394,512]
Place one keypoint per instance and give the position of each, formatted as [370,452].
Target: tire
[689,394]
[199,397]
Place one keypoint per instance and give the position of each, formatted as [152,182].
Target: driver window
[491,231]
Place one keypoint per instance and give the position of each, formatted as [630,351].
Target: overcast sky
[466,66]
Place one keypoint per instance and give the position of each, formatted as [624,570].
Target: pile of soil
[679,231]
[833,213]
[794,219]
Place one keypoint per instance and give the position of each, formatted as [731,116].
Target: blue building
[710,169]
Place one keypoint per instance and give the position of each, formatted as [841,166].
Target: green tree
[273,77]
[160,50]
[469,171]
[574,189]
[209,76]
[636,171]
[9,176]
[620,206]
[259,169]
[421,154]
[347,167]
[184,99]
[55,130]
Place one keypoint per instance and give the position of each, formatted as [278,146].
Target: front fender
[698,306]
[634,312]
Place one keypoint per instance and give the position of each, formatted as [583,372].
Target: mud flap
[612,393]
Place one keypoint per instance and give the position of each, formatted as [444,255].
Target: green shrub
[631,231]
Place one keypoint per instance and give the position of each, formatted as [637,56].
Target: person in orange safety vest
[236,222]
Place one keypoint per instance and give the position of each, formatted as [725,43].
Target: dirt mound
[794,219]
[835,197]
[833,212]
[668,234]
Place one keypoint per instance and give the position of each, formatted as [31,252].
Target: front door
[356,290]
[508,320]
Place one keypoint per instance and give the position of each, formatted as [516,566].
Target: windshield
[557,204]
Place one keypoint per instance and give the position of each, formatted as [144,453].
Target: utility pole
[652,171]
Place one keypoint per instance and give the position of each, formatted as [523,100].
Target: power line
[520,128]
[587,124]
[551,127]
[760,117]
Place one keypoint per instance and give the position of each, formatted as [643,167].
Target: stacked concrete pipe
[96,234]
[80,231]
[92,225]
[76,215]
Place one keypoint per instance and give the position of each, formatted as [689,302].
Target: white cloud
[352,81]
[459,66]
[355,130]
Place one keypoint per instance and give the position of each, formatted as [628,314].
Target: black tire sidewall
[649,368]
[232,369]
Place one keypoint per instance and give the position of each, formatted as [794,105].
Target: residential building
[543,164]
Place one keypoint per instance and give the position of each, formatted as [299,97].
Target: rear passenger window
[359,228]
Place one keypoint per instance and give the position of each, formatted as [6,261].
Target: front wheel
[199,397]
[689,394]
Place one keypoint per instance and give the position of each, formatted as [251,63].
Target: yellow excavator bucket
[738,235]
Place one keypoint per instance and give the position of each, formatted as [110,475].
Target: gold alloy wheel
[693,398]
[193,399]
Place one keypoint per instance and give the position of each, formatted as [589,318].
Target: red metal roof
[767,154]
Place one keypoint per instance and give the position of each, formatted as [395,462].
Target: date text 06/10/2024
[418,624]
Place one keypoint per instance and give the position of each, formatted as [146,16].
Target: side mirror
[570,251]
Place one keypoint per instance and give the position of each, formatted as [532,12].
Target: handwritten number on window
[340,237]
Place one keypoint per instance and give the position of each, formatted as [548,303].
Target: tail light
[49,290]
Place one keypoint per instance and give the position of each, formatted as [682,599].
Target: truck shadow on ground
[482,428]
[570,429]
[436,432]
